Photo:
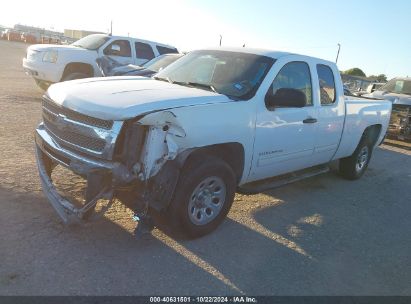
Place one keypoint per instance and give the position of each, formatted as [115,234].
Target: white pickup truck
[215,122]
[49,63]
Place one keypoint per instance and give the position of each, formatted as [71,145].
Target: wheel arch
[78,67]
[232,153]
[372,133]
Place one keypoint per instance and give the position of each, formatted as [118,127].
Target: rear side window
[144,51]
[327,84]
[165,50]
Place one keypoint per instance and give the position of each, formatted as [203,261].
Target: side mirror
[286,97]
[115,48]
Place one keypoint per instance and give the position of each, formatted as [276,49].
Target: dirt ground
[323,236]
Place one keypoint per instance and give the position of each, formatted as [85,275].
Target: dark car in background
[372,87]
[110,67]
[149,68]
[347,91]
[398,91]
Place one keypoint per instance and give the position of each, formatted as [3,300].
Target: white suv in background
[49,63]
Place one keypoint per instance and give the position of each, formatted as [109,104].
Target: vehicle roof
[263,52]
[172,54]
[139,39]
[403,78]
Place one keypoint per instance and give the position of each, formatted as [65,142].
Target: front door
[119,50]
[285,136]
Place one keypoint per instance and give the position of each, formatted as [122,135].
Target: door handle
[310,120]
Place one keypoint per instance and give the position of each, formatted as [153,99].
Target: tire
[203,196]
[42,85]
[73,76]
[354,166]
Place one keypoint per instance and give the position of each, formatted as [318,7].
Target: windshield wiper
[201,85]
[170,81]
[210,88]
[167,79]
[187,83]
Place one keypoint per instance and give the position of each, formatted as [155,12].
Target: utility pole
[221,38]
[338,52]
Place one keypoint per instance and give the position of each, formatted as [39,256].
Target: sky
[374,35]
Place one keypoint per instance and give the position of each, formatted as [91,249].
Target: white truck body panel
[361,114]
[121,98]
[201,132]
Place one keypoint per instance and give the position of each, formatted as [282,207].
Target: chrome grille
[76,131]
[77,139]
[92,121]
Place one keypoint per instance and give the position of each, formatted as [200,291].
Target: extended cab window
[294,75]
[118,48]
[327,84]
[144,51]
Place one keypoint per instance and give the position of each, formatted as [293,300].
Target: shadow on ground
[320,236]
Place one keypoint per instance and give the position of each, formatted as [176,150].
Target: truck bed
[360,113]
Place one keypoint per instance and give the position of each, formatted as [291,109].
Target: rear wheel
[354,166]
[203,196]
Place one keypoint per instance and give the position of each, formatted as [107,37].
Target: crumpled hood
[403,99]
[120,98]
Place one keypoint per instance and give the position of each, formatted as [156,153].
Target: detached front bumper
[98,174]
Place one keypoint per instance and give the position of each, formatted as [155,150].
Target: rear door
[285,137]
[331,112]
[144,52]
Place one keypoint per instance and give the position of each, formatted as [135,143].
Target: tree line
[359,72]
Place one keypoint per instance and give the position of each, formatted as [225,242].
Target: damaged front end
[400,122]
[137,161]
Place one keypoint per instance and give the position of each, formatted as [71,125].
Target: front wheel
[354,166]
[203,196]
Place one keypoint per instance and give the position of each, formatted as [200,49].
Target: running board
[282,180]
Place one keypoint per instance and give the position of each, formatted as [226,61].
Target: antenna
[338,52]
[111,27]
[221,38]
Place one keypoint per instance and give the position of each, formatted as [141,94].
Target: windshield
[91,42]
[160,62]
[237,75]
[398,86]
